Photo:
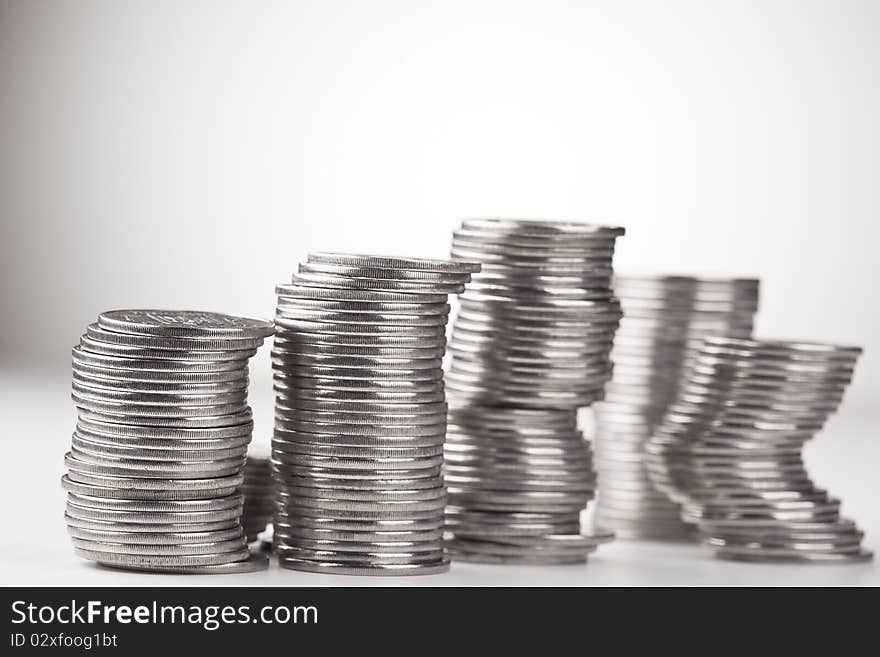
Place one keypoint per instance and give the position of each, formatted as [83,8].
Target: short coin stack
[664,322]
[360,415]
[155,464]
[729,449]
[530,345]
[257,491]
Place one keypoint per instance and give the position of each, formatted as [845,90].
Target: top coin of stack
[530,345]
[664,323]
[360,415]
[163,429]
[730,447]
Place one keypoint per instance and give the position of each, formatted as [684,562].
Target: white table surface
[38,418]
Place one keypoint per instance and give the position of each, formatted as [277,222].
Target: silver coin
[141,367]
[183,323]
[109,382]
[373,496]
[211,505]
[96,425]
[357,363]
[360,308]
[495,549]
[125,409]
[374,557]
[395,262]
[162,521]
[428,397]
[363,339]
[362,322]
[97,487]
[531,560]
[368,463]
[158,398]
[345,429]
[430,331]
[430,524]
[234,545]
[295,499]
[168,538]
[157,422]
[333,417]
[403,537]
[360,408]
[100,334]
[150,462]
[433,547]
[142,353]
[166,563]
[343,486]
[283,346]
[383,273]
[158,450]
[365,568]
[358,386]
[254,562]
[149,485]
[362,296]
[860,557]
[327,471]
[82,462]
[359,451]
[376,284]
[295,510]
[148,528]
[284,436]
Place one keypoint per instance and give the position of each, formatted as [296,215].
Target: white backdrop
[188,154]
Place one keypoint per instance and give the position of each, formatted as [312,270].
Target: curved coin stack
[530,345]
[729,450]
[360,415]
[257,490]
[664,322]
[155,464]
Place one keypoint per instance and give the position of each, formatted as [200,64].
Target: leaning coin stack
[360,415]
[154,469]
[729,450]
[530,345]
[257,491]
[664,322]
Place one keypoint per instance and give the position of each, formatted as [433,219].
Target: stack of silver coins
[360,415]
[730,450]
[664,322]
[257,491]
[154,470]
[530,345]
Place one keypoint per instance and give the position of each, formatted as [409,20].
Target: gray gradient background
[188,154]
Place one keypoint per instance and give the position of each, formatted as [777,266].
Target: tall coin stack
[530,345]
[360,415]
[154,469]
[664,322]
[729,450]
